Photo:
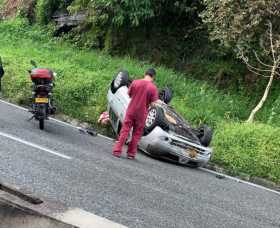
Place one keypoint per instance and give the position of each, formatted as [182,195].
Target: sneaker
[117,155]
[130,157]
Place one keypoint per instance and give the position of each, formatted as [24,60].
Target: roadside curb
[245,177]
[65,120]
[17,211]
[236,179]
[83,219]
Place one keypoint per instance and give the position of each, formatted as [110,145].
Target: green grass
[248,148]
[84,77]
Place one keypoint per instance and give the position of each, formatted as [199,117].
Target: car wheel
[155,118]
[122,79]
[205,135]
[165,95]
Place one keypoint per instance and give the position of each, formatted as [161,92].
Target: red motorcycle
[42,86]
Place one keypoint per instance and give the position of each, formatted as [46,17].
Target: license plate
[192,153]
[42,100]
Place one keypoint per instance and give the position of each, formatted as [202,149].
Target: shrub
[83,77]
[241,24]
[248,148]
[45,9]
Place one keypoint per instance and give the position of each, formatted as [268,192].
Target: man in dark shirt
[142,93]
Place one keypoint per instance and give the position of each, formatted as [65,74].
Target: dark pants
[130,122]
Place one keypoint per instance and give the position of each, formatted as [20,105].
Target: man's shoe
[130,157]
[117,155]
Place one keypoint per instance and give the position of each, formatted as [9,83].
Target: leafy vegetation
[249,148]
[84,76]
[135,13]
[46,8]
[120,27]
[241,24]
[102,13]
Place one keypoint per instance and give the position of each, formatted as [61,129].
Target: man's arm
[154,96]
[130,90]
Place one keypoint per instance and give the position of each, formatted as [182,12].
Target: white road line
[13,105]
[53,119]
[34,145]
[83,219]
[240,181]
[203,169]
[78,128]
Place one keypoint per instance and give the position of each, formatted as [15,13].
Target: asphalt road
[78,170]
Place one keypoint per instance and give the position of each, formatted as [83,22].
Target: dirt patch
[11,7]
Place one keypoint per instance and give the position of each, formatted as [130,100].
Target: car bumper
[162,143]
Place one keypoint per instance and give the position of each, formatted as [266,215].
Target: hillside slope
[82,83]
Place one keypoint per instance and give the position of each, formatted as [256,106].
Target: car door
[120,102]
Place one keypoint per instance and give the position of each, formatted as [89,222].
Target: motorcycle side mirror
[33,63]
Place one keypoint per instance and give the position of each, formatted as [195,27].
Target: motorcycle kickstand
[32,117]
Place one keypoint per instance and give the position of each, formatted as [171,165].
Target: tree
[270,70]
[110,21]
[241,26]
[240,23]
[46,8]
[114,12]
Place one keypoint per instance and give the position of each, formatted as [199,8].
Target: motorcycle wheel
[42,124]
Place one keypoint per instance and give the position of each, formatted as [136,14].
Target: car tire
[155,118]
[205,135]
[122,79]
[166,95]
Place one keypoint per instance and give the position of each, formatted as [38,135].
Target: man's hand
[153,104]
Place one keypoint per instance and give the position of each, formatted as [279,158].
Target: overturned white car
[166,133]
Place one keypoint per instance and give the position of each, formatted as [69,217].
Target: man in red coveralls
[142,93]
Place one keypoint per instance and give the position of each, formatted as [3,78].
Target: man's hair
[151,72]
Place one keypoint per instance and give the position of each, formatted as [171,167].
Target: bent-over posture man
[142,93]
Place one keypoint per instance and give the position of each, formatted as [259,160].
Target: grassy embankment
[82,83]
